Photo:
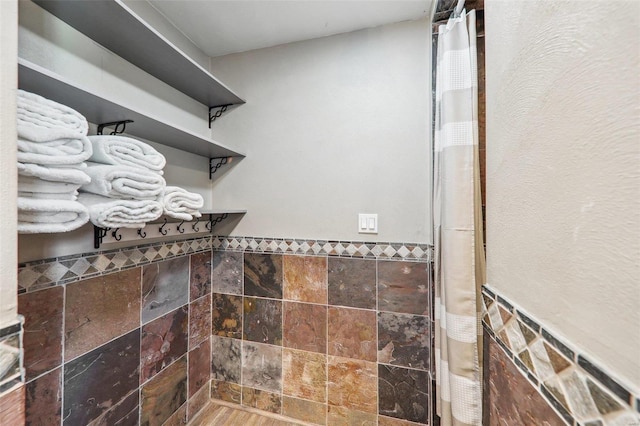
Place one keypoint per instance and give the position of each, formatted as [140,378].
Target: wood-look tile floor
[220,415]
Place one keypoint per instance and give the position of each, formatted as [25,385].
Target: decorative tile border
[41,274]
[581,392]
[11,372]
[417,252]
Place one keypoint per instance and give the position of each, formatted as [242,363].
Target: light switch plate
[368,223]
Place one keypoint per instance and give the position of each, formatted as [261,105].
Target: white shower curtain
[459,265]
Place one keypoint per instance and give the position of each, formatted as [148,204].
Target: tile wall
[324,338]
[531,375]
[126,347]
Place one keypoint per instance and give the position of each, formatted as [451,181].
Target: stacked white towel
[52,148]
[181,204]
[126,182]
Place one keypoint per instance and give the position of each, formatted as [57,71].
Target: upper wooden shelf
[116,27]
[97,108]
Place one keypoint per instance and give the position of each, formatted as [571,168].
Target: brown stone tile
[605,403]
[340,416]
[225,359]
[527,333]
[164,340]
[101,379]
[199,321]
[225,391]
[200,275]
[525,357]
[307,411]
[262,366]
[353,384]
[553,386]
[43,330]
[305,327]
[178,418]
[403,287]
[304,375]
[99,309]
[352,333]
[227,272]
[263,275]
[226,314]
[305,278]
[198,401]
[389,421]
[44,399]
[558,362]
[403,393]
[125,413]
[262,320]
[509,398]
[12,407]
[504,314]
[199,367]
[352,282]
[165,287]
[164,394]
[404,340]
[262,400]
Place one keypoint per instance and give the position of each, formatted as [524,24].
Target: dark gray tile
[604,378]
[225,359]
[200,275]
[227,272]
[262,320]
[164,340]
[226,315]
[263,275]
[101,379]
[403,393]
[43,399]
[352,282]
[165,287]
[403,287]
[404,340]
[126,413]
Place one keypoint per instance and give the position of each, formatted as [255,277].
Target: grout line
[62,367]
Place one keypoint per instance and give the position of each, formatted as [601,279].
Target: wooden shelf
[99,109]
[116,27]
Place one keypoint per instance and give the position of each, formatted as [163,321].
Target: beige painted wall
[332,127]
[8,171]
[563,170]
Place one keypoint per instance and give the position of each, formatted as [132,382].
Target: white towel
[55,152]
[114,149]
[41,119]
[123,182]
[71,174]
[48,216]
[33,187]
[114,213]
[181,204]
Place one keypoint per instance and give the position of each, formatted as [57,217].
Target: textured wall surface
[332,127]
[563,170]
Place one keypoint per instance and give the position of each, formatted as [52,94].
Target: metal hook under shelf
[195,225]
[161,229]
[116,236]
[179,227]
[218,113]
[142,233]
[120,126]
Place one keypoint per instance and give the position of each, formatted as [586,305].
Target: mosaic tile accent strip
[10,356]
[580,391]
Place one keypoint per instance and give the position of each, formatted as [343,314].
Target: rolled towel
[56,152]
[71,174]
[114,149]
[115,213]
[33,187]
[123,182]
[48,216]
[41,119]
[181,204]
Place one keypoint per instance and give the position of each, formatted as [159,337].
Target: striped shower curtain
[459,265]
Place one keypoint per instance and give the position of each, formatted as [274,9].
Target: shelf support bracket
[212,222]
[218,113]
[119,126]
[216,162]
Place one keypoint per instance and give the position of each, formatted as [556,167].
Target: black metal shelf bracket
[120,126]
[216,162]
[213,222]
[98,235]
[218,113]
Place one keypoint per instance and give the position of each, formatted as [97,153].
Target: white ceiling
[219,27]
